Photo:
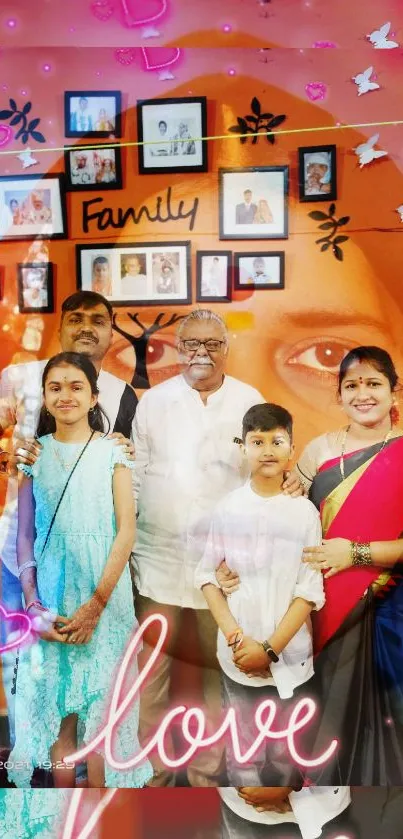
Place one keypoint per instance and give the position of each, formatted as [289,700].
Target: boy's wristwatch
[270,652]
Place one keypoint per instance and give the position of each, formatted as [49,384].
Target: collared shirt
[262,540]
[186,460]
[312,808]
[20,404]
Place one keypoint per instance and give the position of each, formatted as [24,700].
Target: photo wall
[140,187]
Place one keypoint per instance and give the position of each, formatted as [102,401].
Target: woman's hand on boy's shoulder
[267,799]
[292,485]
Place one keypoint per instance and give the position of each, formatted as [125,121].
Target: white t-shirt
[20,404]
[186,460]
[312,808]
[262,540]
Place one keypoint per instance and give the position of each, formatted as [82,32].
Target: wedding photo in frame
[35,287]
[92,113]
[32,207]
[214,276]
[317,175]
[93,169]
[259,270]
[170,132]
[138,274]
[253,202]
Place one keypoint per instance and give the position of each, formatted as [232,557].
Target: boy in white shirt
[264,644]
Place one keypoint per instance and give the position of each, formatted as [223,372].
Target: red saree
[366,506]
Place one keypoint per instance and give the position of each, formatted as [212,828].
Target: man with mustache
[186,434]
[86,327]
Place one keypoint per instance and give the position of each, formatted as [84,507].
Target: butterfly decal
[27,158]
[379,38]
[399,210]
[366,152]
[363,81]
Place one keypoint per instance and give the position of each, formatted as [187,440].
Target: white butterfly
[367,153]
[364,83]
[379,38]
[26,158]
[400,211]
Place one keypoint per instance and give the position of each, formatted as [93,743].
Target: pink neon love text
[301,715]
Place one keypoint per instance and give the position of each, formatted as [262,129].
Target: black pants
[271,765]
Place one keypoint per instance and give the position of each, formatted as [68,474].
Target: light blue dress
[33,814]
[55,680]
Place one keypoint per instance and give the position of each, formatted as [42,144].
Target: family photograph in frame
[141,274]
[213,276]
[317,173]
[259,270]
[35,287]
[93,113]
[93,169]
[253,203]
[32,207]
[170,132]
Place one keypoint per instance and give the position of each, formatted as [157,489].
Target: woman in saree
[355,478]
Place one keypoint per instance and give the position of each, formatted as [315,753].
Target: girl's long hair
[97,417]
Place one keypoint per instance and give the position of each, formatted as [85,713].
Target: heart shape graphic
[150,66]
[125,56]
[315,91]
[6,135]
[130,21]
[8,616]
[102,9]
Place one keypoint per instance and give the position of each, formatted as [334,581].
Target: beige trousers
[192,663]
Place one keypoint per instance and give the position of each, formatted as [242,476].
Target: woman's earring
[394,414]
[91,411]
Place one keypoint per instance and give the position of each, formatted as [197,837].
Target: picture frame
[317,173]
[35,287]
[214,276]
[32,207]
[260,270]
[138,273]
[253,202]
[170,132]
[93,169]
[84,110]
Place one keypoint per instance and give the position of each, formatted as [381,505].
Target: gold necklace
[71,463]
[343,447]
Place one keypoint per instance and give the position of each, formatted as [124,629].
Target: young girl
[78,498]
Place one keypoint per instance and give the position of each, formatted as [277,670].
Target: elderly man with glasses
[188,456]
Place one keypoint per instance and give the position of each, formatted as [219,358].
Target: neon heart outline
[18,641]
[157,16]
[8,134]
[160,66]
[320,87]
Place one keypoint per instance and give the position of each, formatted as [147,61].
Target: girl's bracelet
[98,597]
[31,563]
[37,604]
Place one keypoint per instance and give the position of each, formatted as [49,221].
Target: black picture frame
[328,152]
[116,131]
[167,111]
[99,186]
[12,186]
[248,256]
[202,297]
[146,253]
[38,267]
[268,186]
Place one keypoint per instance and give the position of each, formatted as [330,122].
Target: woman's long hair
[97,417]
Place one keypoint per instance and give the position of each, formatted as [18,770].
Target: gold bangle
[361,554]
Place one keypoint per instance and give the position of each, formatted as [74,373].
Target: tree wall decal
[140,343]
